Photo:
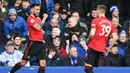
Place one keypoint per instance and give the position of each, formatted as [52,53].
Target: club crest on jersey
[32,20]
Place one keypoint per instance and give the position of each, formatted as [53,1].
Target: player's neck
[101,15]
[32,15]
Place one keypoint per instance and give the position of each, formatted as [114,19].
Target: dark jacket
[114,60]
[55,61]
[70,31]
[122,47]
[127,55]
[76,5]
[67,61]
[23,13]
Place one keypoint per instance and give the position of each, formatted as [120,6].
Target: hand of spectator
[23,39]
[51,54]
[88,14]
[69,12]
[8,36]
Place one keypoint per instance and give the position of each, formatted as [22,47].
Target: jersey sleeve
[31,22]
[113,30]
[93,24]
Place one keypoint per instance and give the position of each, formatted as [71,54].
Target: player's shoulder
[30,19]
[95,19]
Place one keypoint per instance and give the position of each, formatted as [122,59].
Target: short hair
[102,8]
[74,12]
[33,5]
[56,29]
[71,46]
[16,36]
[54,12]
[75,19]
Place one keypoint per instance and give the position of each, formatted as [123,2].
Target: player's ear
[31,9]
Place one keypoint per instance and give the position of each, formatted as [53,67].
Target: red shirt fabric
[104,28]
[34,35]
[62,53]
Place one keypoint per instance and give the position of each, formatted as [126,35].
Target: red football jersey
[34,35]
[104,28]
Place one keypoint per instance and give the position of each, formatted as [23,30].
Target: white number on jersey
[105,30]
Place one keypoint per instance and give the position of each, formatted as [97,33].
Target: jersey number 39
[105,30]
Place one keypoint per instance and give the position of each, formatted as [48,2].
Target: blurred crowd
[67,26]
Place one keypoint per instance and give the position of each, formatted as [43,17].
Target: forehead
[56,39]
[53,20]
[37,7]
[94,10]
[122,34]
[18,38]
[75,13]
[73,49]
[12,15]
[25,2]
[71,19]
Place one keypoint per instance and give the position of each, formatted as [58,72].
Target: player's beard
[35,14]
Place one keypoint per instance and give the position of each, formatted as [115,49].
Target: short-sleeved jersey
[34,35]
[104,28]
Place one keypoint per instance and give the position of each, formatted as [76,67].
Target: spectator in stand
[126,25]
[3,11]
[59,46]
[57,6]
[118,26]
[91,16]
[55,32]
[3,14]
[73,59]
[76,5]
[50,8]
[11,2]
[53,23]
[55,15]
[11,56]
[114,58]
[73,27]
[115,13]
[127,51]
[122,43]
[15,23]
[18,44]
[23,11]
[80,44]
[17,4]
[76,15]
[63,19]
[54,58]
